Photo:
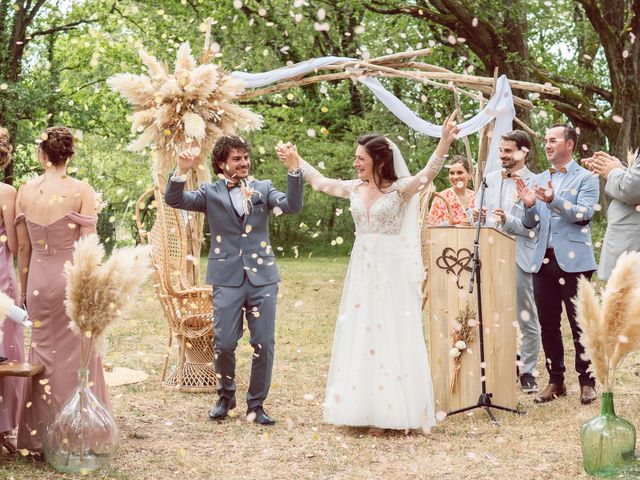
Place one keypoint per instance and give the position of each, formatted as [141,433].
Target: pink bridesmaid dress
[13,343]
[53,344]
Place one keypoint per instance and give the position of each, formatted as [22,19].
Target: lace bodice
[385,216]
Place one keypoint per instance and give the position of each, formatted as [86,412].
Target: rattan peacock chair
[188,308]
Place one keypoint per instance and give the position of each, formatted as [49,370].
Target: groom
[241,264]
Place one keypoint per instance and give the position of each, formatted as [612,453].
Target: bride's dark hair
[379,149]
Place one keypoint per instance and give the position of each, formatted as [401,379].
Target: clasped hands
[288,153]
[601,163]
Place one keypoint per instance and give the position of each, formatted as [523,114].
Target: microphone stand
[484,401]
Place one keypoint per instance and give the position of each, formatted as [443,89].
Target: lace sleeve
[320,183]
[410,185]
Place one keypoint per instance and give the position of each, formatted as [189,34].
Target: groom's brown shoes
[587,394]
[221,408]
[549,394]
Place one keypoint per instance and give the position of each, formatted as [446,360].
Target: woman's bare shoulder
[7,190]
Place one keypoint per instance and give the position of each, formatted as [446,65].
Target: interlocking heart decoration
[455,262]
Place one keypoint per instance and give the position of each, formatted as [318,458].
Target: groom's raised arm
[176,197]
[290,202]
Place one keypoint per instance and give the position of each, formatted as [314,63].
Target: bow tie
[554,170]
[231,185]
[508,174]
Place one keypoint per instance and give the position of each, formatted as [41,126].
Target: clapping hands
[527,195]
[602,163]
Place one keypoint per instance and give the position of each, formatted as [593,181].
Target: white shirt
[557,179]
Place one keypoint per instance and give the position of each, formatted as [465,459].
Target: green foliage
[63,82]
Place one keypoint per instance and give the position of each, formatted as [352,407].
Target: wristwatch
[295,171]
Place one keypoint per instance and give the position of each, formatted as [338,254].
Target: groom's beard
[237,174]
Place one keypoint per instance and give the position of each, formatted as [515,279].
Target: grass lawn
[166,434]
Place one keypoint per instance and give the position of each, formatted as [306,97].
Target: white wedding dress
[379,374]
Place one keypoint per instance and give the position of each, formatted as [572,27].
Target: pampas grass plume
[156,69]
[612,330]
[137,89]
[204,80]
[194,125]
[591,321]
[97,293]
[184,59]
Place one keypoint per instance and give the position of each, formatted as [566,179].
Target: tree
[588,48]
[20,23]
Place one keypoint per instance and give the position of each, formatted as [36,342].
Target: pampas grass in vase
[98,292]
[83,435]
[610,326]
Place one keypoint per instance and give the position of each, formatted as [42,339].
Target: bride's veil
[410,249]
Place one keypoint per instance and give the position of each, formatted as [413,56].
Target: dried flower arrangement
[190,107]
[97,292]
[610,324]
[462,337]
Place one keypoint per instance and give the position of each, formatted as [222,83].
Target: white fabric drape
[500,107]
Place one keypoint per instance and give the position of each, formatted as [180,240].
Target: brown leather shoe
[587,394]
[551,392]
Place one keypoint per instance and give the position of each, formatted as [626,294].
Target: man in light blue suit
[241,264]
[560,207]
[505,211]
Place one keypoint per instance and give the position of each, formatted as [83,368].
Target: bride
[379,374]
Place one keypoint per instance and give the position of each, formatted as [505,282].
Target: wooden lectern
[448,255]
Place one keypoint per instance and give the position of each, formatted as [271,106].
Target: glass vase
[83,435]
[608,442]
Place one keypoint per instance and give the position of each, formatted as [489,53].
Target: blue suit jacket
[236,249]
[566,219]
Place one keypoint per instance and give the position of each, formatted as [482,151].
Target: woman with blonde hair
[52,212]
[12,338]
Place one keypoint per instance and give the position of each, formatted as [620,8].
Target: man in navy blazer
[241,264]
[560,207]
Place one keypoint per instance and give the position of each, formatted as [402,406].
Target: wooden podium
[448,257]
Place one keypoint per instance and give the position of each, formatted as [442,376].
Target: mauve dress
[53,344]
[13,342]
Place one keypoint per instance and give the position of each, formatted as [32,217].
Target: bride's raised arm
[320,183]
[425,176]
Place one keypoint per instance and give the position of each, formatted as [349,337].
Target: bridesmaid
[460,198]
[52,212]
[13,341]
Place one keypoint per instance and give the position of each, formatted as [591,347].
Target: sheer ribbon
[500,106]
